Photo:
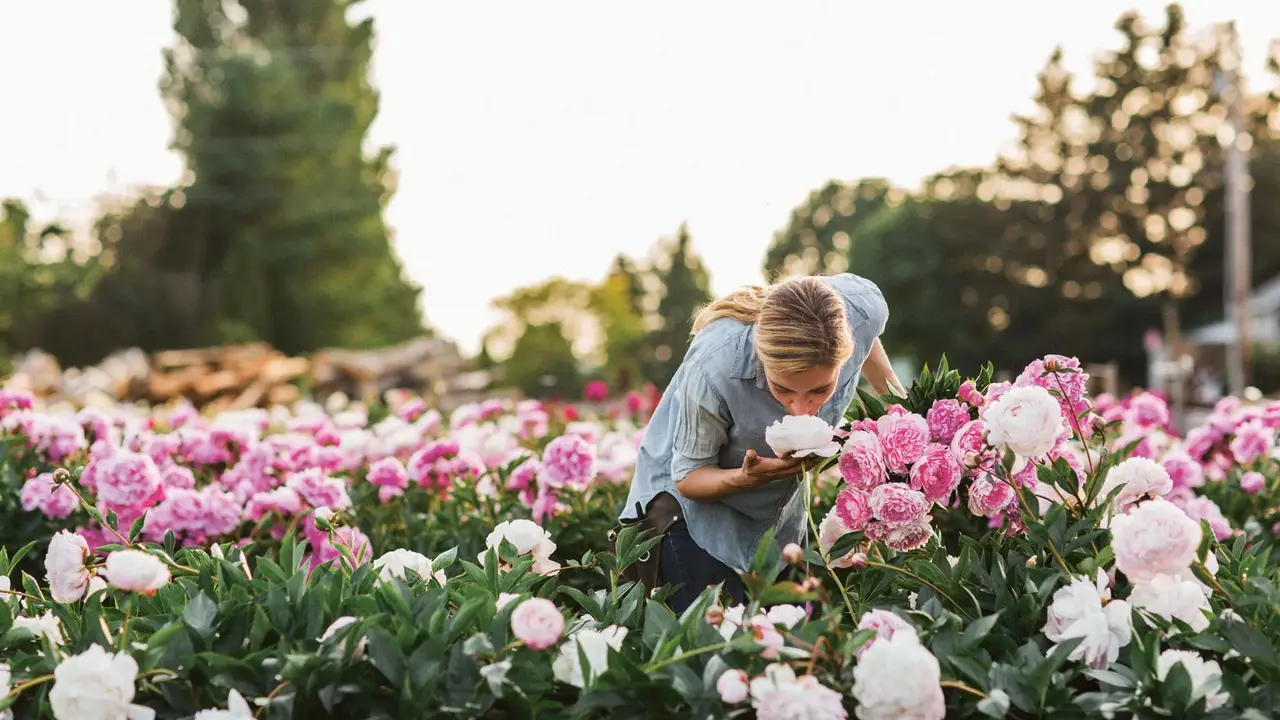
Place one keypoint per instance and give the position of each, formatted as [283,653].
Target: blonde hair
[801,323]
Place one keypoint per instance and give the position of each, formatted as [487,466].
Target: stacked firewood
[253,375]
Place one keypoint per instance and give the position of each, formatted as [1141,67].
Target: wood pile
[254,375]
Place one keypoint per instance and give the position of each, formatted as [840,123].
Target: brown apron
[663,512]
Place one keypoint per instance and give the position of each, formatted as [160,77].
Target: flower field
[1011,550]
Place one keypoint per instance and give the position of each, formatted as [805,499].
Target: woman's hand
[757,471]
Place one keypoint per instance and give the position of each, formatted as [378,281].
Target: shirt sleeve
[868,311]
[701,427]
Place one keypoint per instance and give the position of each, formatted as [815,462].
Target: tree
[618,309]
[822,230]
[280,220]
[564,303]
[543,364]
[684,289]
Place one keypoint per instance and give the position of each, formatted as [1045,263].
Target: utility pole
[1238,264]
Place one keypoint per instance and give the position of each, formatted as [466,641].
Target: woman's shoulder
[862,296]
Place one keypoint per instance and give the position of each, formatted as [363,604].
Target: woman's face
[802,393]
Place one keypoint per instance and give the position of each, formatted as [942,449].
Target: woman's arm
[712,483]
[879,372]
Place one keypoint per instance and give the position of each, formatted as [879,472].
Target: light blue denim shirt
[717,407]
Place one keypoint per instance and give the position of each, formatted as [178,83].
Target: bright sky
[542,138]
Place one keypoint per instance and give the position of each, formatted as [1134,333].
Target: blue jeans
[693,569]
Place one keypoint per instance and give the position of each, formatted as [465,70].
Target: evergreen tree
[685,288]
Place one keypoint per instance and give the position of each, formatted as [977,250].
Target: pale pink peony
[988,496]
[1138,479]
[64,565]
[862,460]
[853,506]
[779,695]
[898,678]
[43,494]
[945,418]
[1253,440]
[732,686]
[537,623]
[766,636]
[136,571]
[885,623]
[903,438]
[830,532]
[1202,508]
[128,479]
[912,536]
[1155,538]
[1026,421]
[388,472]
[319,489]
[896,505]
[969,442]
[570,461]
[937,474]
[1252,482]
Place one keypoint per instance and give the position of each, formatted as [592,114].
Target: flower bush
[978,549]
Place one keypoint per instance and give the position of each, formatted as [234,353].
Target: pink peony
[945,418]
[64,564]
[1060,374]
[1252,441]
[968,441]
[1147,411]
[388,472]
[937,474]
[1252,482]
[282,500]
[136,571]
[911,536]
[569,460]
[128,479]
[862,460]
[43,494]
[324,549]
[853,506]
[537,623]
[1271,415]
[969,394]
[732,686]
[1156,538]
[1184,472]
[903,438]
[222,514]
[1200,441]
[988,496]
[524,474]
[896,505]
[320,490]
[1202,508]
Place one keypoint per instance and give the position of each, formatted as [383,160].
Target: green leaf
[200,614]
[385,655]
[977,630]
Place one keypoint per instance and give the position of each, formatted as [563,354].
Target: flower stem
[683,656]
[826,559]
[956,684]
[17,689]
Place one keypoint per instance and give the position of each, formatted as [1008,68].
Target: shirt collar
[746,366]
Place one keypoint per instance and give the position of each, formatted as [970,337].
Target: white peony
[136,571]
[335,627]
[595,644]
[394,564]
[1026,421]
[802,436]
[96,684]
[64,567]
[1078,611]
[237,709]
[529,539]
[47,625]
[1173,598]
[1140,479]
[898,678]
[779,695]
[787,615]
[1206,675]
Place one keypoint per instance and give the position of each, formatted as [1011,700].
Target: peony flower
[1173,598]
[989,496]
[1146,410]
[945,418]
[54,500]
[830,532]
[779,695]
[537,623]
[64,565]
[969,442]
[335,627]
[903,438]
[896,505]
[766,636]
[793,554]
[898,678]
[136,571]
[388,472]
[1252,482]
[1155,538]
[862,460]
[885,623]
[1138,479]
[1253,440]
[397,563]
[569,461]
[1183,471]
[937,474]
[801,436]
[96,684]
[1198,507]
[1077,611]
[1206,675]
[319,489]
[127,479]
[912,536]
[1026,421]
[595,645]
[529,539]
[732,686]
[853,506]
[237,709]
[788,616]
[47,625]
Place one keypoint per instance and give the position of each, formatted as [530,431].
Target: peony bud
[793,554]
[714,616]
[323,516]
[1052,365]
[972,461]
[1032,561]
[61,475]
[858,561]
[1098,423]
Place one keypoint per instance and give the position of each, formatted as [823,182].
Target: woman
[705,476]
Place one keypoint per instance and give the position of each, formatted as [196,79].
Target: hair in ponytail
[801,323]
